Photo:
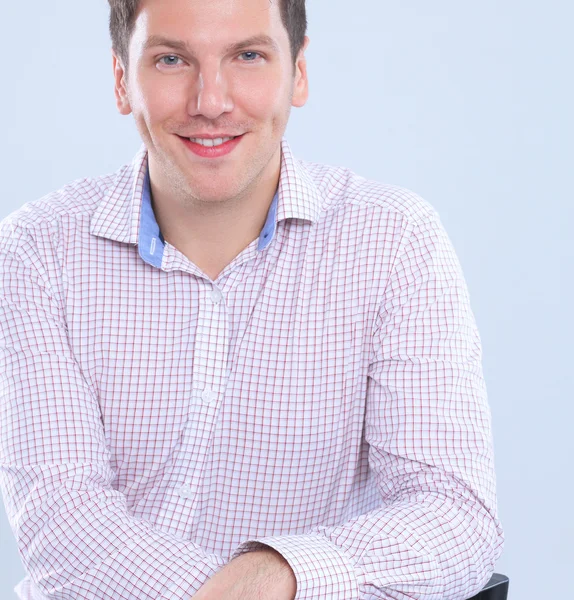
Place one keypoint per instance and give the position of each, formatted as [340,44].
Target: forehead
[209,22]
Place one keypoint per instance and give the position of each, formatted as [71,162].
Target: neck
[214,231]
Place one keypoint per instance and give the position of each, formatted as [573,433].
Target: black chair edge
[495,589]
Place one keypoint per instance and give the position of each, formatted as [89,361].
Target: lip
[214,151]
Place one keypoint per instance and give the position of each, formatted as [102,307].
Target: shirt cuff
[322,569]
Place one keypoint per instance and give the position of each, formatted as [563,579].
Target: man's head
[222,68]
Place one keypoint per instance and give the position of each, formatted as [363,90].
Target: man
[227,373]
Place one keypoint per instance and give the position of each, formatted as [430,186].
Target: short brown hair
[123,15]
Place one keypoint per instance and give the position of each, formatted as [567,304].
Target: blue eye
[170,60]
[251,55]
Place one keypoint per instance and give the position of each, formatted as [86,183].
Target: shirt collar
[151,243]
[125,213]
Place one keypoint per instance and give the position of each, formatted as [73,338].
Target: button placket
[209,377]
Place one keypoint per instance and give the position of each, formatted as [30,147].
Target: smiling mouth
[210,142]
[211,147]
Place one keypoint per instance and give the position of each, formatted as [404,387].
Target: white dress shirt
[323,396]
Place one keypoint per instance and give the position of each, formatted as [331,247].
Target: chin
[208,193]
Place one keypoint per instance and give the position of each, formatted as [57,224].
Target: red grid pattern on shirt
[323,396]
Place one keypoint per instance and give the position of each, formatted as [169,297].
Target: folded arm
[74,533]
[436,535]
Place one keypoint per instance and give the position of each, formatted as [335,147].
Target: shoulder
[77,199]
[341,188]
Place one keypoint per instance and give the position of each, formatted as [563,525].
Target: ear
[301,85]
[121,91]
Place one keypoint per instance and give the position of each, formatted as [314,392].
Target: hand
[257,575]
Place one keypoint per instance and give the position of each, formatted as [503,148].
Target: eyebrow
[256,40]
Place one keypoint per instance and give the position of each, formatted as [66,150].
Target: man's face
[189,78]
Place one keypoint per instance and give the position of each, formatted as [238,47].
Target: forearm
[441,543]
[82,543]
[262,574]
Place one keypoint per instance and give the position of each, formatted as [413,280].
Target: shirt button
[208,396]
[185,491]
[216,296]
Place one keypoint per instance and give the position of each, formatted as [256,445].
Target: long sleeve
[436,534]
[74,533]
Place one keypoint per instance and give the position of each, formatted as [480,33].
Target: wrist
[274,565]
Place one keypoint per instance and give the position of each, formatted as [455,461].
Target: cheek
[260,94]
[157,100]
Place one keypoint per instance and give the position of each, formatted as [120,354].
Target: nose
[212,97]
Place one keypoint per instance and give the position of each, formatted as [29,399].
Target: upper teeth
[215,142]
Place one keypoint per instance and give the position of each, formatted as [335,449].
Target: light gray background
[467,103]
